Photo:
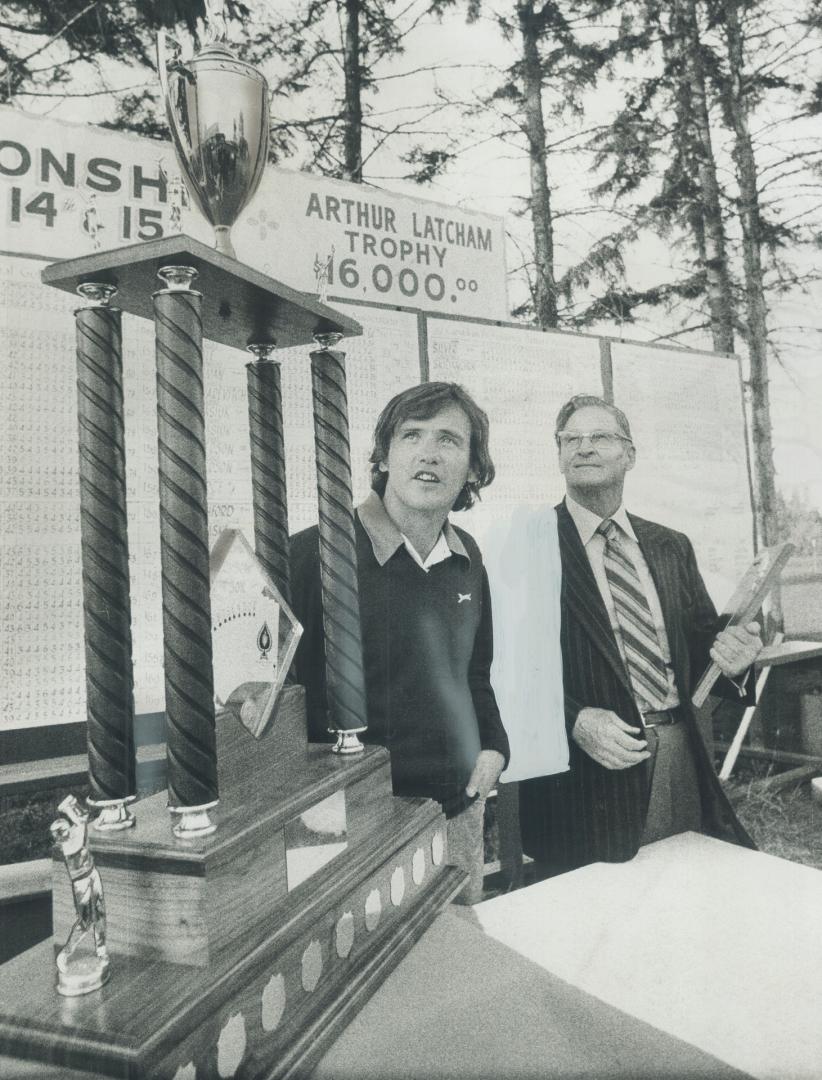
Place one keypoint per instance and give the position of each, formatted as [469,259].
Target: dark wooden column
[338,549]
[265,424]
[189,680]
[104,538]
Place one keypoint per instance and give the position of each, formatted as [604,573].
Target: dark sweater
[427,657]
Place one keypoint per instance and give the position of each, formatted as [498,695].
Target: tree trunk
[352,112]
[545,293]
[685,33]
[756,307]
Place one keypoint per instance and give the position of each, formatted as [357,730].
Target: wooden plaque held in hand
[746,601]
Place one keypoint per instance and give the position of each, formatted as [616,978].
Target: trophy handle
[166,57]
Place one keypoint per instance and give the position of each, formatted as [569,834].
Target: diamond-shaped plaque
[254,633]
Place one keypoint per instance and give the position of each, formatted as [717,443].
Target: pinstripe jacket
[591,813]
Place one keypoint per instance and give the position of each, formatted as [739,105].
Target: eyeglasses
[599,440]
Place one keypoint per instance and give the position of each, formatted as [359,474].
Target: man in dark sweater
[425,613]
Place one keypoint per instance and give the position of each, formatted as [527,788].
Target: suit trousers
[674,805]
[466,849]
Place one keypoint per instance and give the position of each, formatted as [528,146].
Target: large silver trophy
[217,109]
[203,923]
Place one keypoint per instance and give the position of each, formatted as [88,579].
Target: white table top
[461,1006]
[711,943]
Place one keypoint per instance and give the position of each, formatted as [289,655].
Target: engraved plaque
[314,838]
[254,633]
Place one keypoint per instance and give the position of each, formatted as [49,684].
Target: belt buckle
[652,723]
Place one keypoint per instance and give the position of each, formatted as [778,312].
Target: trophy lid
[217,54]
[217,50]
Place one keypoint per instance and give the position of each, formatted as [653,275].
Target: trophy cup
[217,110]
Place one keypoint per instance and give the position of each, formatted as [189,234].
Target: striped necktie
[643,655]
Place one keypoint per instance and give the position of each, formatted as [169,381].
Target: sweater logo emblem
[463,597]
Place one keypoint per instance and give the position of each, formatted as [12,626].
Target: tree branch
[59,34]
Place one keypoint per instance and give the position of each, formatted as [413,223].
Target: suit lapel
[581,594]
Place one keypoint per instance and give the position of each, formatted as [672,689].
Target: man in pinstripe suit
[638,628]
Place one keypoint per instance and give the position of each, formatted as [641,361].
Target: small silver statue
[177,195]
[322,275]
[215,21]
[89,216]
[81,974]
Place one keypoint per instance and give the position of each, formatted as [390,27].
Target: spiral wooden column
[189,680]
[104,538]
[345,683]
[265,424]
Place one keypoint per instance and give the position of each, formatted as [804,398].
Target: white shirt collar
[438,553]
[587,522]
[385,537]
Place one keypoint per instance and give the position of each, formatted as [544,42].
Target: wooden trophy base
[246,952]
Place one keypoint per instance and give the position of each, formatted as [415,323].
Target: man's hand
[609,740]
[486,772]
[736,648]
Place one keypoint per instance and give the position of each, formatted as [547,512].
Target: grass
[786,823]
[24,824]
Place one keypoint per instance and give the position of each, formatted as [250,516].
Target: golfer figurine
[81,974]
[322,275]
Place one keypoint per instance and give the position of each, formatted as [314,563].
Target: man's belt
[663,718]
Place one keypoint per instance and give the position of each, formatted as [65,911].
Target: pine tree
[736,90]
[683,47]
[659,159]
[721,62]
[532,26]
[49,49]
[554,66]
[324,60]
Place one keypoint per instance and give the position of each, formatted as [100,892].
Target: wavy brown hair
[421,403]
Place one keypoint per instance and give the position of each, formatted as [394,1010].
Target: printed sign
[67,189]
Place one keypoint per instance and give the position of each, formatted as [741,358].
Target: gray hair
[582,401]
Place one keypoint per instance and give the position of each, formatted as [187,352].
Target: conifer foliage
[684,123]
